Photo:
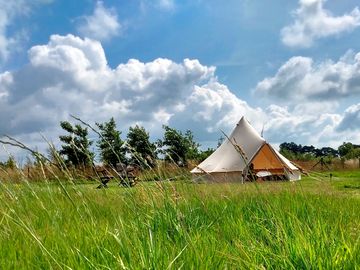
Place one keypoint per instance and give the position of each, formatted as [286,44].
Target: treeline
[77,149]
[295,151]
[135,149]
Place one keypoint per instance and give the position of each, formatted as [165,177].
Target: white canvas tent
[242,150]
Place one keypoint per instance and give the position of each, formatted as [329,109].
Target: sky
[292,68]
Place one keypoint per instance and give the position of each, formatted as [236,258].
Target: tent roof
[226,158]
[245,140]
[286,161]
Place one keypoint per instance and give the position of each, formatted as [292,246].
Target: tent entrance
[266,160]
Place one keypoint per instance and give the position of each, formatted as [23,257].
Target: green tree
[10,163]
[76,145]
[205,154]
[179,147]
[193,147]
[356,154]
[345,149]
[110,144]
[141,150]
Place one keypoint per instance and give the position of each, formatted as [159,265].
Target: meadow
[310,224]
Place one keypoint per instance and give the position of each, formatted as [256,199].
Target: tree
[327,152]
[356,154]
[299,152]
[141,150]
[349,151]
[76,145]
[179,147]
[110,144]
[193,151]
[345,149]
[290,147]
[205,154]
[10,163]
[291,150]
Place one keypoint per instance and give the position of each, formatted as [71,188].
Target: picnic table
[126,174]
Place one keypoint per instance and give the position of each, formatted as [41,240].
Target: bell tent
[243,153]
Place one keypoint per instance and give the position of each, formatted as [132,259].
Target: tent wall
[237,176]
[218,177]
[294,175]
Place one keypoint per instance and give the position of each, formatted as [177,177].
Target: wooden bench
[125,174]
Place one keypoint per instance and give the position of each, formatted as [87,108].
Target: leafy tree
[141,150]
[10,163]
[295,151]
[110,143]
[290,148]
[179,147]
[349,151]
[193,151]
[327,152]
[345,149]
[288,153]
[175,145]
[76,145]
[205,154]
[356,154]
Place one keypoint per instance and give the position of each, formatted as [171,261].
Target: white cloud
[316,128]
[8,12]
[302,79]
[166,4]
[215,104]
[311,127]
[162,116]
[162,5]
[102,25]
[351,119]
[313,22]
[70,75]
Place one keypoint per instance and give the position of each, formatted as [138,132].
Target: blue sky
[290,66]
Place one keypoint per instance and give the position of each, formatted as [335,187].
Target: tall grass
[171,225]
[61,224]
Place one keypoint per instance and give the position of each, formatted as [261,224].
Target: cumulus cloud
[313,22]
[8,12]
[351,119]
[312,127]
[285,124]
[215,101]
[102,25]
[300,78]
[70,75]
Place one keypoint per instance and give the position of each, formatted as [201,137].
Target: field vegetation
[52,216]
[313,223]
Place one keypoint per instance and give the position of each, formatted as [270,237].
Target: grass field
[310,224]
